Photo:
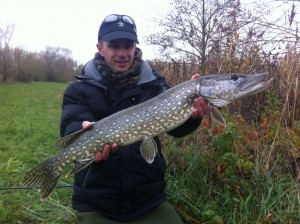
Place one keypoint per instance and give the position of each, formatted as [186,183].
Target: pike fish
[143,122]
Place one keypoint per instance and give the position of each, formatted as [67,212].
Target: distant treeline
[51,65]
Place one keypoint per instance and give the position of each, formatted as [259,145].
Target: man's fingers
[87,124]
[195,76]
[114,148]
[200,108]
[106,151]
[204,105]
[98,157]
[104,154]
[197,113]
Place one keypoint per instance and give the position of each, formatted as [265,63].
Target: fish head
[221,90]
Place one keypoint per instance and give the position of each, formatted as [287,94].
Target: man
[120,185]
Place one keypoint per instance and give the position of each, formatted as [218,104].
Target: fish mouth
[255,83]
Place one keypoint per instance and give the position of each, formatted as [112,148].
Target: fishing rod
[33,187]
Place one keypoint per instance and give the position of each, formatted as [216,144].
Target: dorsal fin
[64,142]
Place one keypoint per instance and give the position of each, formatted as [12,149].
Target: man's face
[118,54]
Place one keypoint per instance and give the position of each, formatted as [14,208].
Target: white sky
[74,24]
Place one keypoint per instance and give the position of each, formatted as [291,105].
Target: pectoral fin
[215,115]
[148,149]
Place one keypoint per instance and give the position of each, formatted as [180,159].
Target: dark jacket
[124,186]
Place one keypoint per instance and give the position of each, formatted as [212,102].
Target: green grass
[211,178]
[29,128]
[222,178]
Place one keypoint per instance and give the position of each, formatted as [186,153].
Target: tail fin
[45,174]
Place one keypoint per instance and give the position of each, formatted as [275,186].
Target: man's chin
[120,70]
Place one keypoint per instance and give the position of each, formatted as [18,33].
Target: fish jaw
[254,84]
[221,90]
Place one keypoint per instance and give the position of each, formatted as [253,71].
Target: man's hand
[104,153]
[200,105]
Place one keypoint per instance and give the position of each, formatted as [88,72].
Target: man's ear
[100,48]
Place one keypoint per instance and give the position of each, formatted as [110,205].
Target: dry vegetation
[286,89]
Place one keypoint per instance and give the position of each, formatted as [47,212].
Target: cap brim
[120,35]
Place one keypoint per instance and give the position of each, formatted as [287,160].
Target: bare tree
[28,66]
[65,66]
[6,34]
[50,55]
[202,29]
[60,67]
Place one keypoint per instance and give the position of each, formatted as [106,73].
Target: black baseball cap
[116,27]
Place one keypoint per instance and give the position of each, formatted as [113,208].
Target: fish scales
[150,118]
[143,122]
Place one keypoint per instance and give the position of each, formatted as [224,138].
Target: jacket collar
[91,75]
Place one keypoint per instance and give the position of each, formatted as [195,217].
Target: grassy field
[245,174]
[29,128]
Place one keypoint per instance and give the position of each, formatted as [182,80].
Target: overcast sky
[74,24]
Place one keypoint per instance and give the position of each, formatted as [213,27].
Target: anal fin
[79,165]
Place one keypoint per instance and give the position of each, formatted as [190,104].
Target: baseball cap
[116,27]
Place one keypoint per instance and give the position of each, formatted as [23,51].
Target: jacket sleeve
[187,127]
[75,110]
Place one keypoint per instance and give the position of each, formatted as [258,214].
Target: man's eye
[128,46]
[114,46]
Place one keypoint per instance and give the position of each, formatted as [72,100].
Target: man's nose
[122,51]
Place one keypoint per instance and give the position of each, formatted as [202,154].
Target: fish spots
[60,169]
[79,153]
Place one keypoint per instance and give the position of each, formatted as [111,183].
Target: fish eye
[234,77]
